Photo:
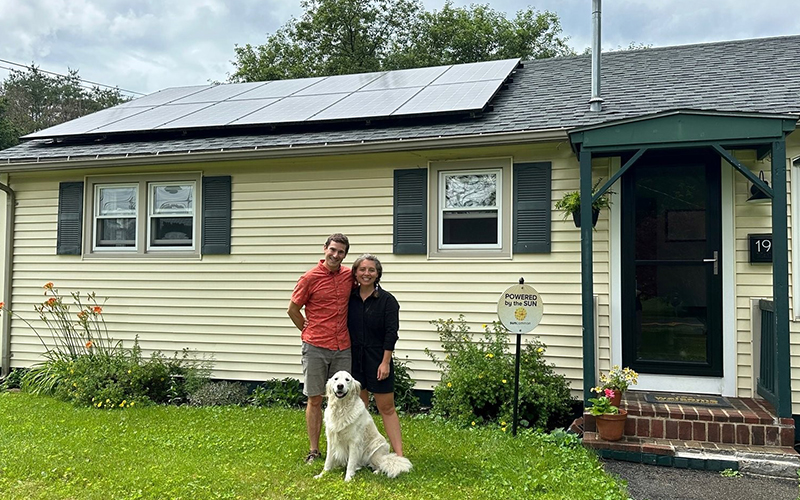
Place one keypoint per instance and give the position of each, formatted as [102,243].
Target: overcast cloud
[147,45]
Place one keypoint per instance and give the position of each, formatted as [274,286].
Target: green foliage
[12,380]
[570,203]
[221,393]
[118,380]
[353,36]
[477,382]
[8,131]
[563,438]
[52,451]
[36,100]
[730,473]
[602,406]
[286,393]
[404,398]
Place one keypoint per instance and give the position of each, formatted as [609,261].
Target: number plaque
[760,247]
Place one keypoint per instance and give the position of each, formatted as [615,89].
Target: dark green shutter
[411,211]
[216,215]
[70,218]
[532,207]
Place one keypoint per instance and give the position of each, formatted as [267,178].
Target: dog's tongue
[340,394]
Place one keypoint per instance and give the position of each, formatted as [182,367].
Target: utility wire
[59,74]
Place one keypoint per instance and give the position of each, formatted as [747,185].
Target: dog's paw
[348,477]
[318,476]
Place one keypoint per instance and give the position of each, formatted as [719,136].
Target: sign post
[520,310]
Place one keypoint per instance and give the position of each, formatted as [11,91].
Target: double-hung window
[469,213]
[155,216]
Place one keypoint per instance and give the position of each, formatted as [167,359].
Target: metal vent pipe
[596,102]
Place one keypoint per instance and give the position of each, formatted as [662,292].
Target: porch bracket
[744,171]
[780,280]
[617,175]
[587,291]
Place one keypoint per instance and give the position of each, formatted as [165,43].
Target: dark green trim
[684,128]
[531,207]
[618,174]
[587,291]
[714,465]
[753,178]
[410,232]
[70,218]
[780,279]
[216,215]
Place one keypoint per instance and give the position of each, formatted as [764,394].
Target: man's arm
[296,316]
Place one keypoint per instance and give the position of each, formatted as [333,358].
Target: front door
[671,265]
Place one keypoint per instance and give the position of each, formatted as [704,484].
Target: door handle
[715,260]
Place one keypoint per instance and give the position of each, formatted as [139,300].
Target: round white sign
[520,308]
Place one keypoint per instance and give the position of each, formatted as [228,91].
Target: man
[325,293]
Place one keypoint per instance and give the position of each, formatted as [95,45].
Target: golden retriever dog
[353,438]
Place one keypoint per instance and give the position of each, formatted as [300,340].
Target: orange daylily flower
[97,309]
[49,285]
[2,305]
[51,302]
[89,344]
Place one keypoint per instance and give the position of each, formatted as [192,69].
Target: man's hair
[339,238]
[369,256]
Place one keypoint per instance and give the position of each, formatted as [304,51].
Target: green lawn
[51,450]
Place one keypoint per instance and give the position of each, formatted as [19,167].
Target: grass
[51,450]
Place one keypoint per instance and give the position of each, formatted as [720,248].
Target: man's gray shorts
[319,365]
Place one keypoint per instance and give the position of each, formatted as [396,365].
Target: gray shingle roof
[761,75]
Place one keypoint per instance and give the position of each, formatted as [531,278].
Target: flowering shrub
[602,405]
[477,380]
[618,379]
[85,366]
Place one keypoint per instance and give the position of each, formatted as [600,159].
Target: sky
[146,45]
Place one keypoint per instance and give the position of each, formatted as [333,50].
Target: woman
[373,320]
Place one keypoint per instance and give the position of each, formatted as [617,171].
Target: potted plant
[618,380]
[570,203]
[610,419]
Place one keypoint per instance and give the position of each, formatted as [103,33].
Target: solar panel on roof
[279,88]
[218,114]
[450,98]
[151,118]
[340,83]
[219,93]
[368,104]
[443,89]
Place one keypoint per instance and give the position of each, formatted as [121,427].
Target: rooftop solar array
[461,88]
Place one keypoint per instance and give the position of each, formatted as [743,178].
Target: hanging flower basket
[576,217]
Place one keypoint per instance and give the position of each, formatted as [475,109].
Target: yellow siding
[233,307]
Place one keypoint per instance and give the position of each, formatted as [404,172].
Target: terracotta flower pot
[611,427]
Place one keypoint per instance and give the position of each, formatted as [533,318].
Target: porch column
[780,279]
[587,292]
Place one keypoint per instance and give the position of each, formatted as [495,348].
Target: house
[196,224]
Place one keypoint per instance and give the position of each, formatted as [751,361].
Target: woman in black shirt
[373,320]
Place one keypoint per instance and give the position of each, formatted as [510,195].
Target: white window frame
[151,186]
[97,217]
[504,194]
[441,209]
[143,247]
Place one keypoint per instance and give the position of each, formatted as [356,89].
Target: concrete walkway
[650,482]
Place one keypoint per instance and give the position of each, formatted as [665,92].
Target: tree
[332,37]
[352,36]
[31,100]
[456,35]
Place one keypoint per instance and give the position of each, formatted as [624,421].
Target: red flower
[97,309]
[2,305]
[609,393]
[89,345]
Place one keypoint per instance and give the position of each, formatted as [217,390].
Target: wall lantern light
[757,195]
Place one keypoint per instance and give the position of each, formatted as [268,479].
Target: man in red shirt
[325,293]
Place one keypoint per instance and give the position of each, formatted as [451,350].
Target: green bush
[404,398]
[286,393]
[12,380]
[219,394]
[119,379]
[477,380]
